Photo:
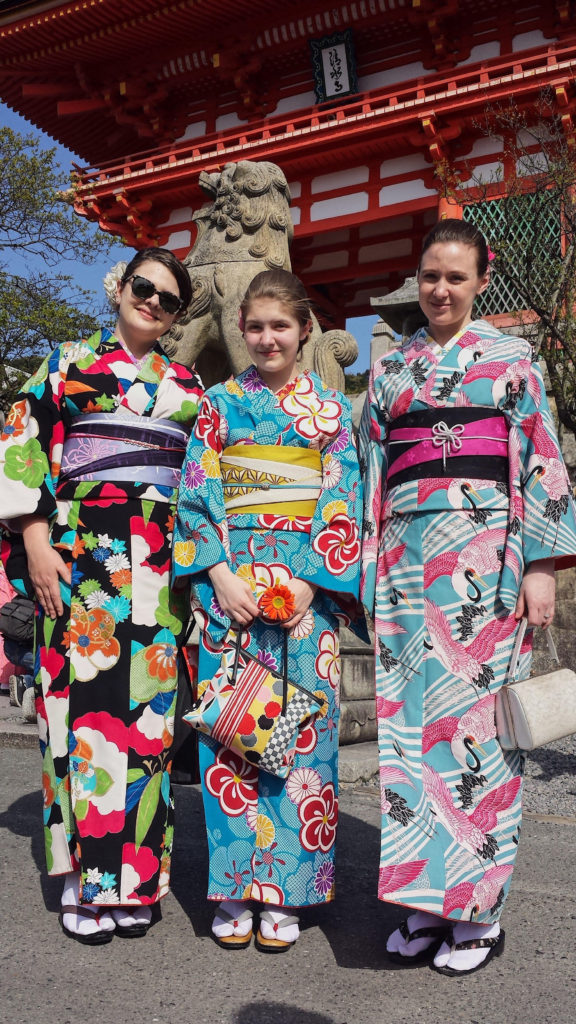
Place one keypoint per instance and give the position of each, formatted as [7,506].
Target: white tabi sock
[82,925]
[223,927]
[466,959]
[396,943]
[125,917]
[288,934]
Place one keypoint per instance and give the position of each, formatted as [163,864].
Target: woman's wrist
[219,572]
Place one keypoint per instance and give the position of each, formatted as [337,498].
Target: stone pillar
[383,339]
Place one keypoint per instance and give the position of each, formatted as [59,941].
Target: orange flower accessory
[277,603]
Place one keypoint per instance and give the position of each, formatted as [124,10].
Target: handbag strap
[284,670]
[284,663]
[513,668]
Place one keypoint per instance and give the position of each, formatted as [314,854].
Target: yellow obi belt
[267,478]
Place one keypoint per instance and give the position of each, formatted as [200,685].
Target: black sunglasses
[142,288]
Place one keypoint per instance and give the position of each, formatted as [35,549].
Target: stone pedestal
[357,700]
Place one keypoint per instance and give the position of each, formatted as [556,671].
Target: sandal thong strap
[72,908]
[278,925]
[430,932]
[477,943]
[226,916]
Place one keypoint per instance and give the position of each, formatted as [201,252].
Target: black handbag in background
[17,619]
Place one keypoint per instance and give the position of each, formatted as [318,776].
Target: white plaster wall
[329,261]
[340,179]
[179,240]
[391,76]
[527,40]
[486,173]
[404,192]
[485,146]
[403,165]
[381,251]
[332,238]
[193,131]
[484,51]
[300,101]
[181,216]
[226,121]
[339,206]
[388,226]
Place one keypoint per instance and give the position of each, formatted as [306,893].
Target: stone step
[358,721]
[358,764]
[357,681]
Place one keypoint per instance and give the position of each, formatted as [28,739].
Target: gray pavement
[337,972]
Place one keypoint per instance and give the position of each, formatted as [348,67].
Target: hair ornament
[111,280]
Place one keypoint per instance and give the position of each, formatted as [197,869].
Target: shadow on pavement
[24,818]
[279,1013]
[189,874]
[355,924]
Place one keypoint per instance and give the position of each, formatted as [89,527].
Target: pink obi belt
[105,446]
[455,443]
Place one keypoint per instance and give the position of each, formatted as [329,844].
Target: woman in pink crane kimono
[468,512]
[89,465]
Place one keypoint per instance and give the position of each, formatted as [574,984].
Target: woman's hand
[536,599]
[45,565]
[234,595]
[303,597]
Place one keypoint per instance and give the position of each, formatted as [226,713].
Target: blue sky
[91,276]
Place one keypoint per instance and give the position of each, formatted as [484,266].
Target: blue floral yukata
[272,839]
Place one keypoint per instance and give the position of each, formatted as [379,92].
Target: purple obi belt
[105,446]
[456,442]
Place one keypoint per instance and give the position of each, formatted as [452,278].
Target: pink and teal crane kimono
[465,486]
[272,839]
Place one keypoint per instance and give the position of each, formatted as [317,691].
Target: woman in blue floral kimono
[89,465]
[468,513]
[271,839]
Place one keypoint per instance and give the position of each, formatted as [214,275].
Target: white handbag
[532,712]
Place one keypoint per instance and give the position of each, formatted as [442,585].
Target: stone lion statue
[245,229]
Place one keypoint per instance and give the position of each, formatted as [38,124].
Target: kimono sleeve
[332,558]
[31,447]
[373,465]
[538,474]
[200,528]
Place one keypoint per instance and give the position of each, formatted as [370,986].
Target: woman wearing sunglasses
[89,466]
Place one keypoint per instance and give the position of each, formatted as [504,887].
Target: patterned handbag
[254,710]
[535,711]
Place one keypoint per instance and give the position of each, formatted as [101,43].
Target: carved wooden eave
[447,45]
[59,62]
[430,113]
[91,55]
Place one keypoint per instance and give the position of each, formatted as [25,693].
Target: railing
[370,112]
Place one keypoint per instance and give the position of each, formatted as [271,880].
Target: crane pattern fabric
[443,563]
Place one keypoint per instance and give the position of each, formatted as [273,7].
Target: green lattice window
[529,227]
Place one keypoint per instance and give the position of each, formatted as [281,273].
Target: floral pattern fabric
[443,564]
[271,839]
[106,680]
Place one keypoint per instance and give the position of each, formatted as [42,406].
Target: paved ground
[336,974]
